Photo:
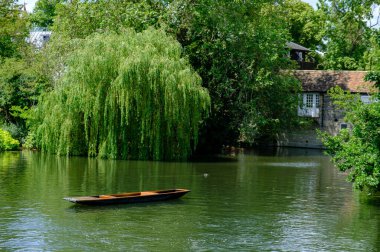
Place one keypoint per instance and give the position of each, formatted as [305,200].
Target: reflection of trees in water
[377,239]
[83,176]
[305,202]
[9,159]
[21,225]
[12,173]
[251,202]
[369,213]
[283,152]
[355,216]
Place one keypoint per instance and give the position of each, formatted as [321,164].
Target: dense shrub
[7,142]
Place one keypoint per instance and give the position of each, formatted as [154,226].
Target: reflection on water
[294,164]
[266,200]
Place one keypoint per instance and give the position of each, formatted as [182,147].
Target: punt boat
[130,197]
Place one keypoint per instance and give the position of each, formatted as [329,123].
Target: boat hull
[129,198]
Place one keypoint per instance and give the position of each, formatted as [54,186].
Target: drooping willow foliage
[127,96]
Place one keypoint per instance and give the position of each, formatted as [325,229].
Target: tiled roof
[323,80]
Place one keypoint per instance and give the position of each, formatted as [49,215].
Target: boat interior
[110,196]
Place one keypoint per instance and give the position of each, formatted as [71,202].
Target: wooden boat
[131,197]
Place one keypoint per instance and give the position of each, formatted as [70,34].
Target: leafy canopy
[20,80]
[306,25]
[239,62]
[13,29]
[128,96]
[20,85]
[238,48]
[44,12]
[78,19]
[347,34]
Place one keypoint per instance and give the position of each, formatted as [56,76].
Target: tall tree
[305,24]
[238,48]
[44,12]
[78,19]
[240,62]
[17,79]
[347,36]
[13,29]
[372,56]
[129,96]
[18,87]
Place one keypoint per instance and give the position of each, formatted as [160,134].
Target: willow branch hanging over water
[127,96]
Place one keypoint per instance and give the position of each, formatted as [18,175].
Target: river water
[275,200]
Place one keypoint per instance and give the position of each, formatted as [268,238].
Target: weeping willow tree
[128,96]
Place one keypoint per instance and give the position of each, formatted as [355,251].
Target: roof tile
[323,80]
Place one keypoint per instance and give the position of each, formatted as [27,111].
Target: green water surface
[277,200]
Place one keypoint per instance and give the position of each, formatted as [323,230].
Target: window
[309,106]
[309,100]
[343,126]
[316,97]
[312,101]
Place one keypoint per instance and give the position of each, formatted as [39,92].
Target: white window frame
[310,105]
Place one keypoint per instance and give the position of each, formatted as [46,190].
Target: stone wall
[330,120]
[299,138]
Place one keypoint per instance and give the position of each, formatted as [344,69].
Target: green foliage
[30,142]
[21,80]
[7,142]
[13,29]
[21,83]
[347,35]
[372,56]
[373,76]
[19,112]
[128,96]
[78,19]
[19,86]
[306,25]
[44,12]
[358,150]
[238,49]
[344,100]
[17,130]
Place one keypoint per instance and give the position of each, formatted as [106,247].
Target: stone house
[316,104]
